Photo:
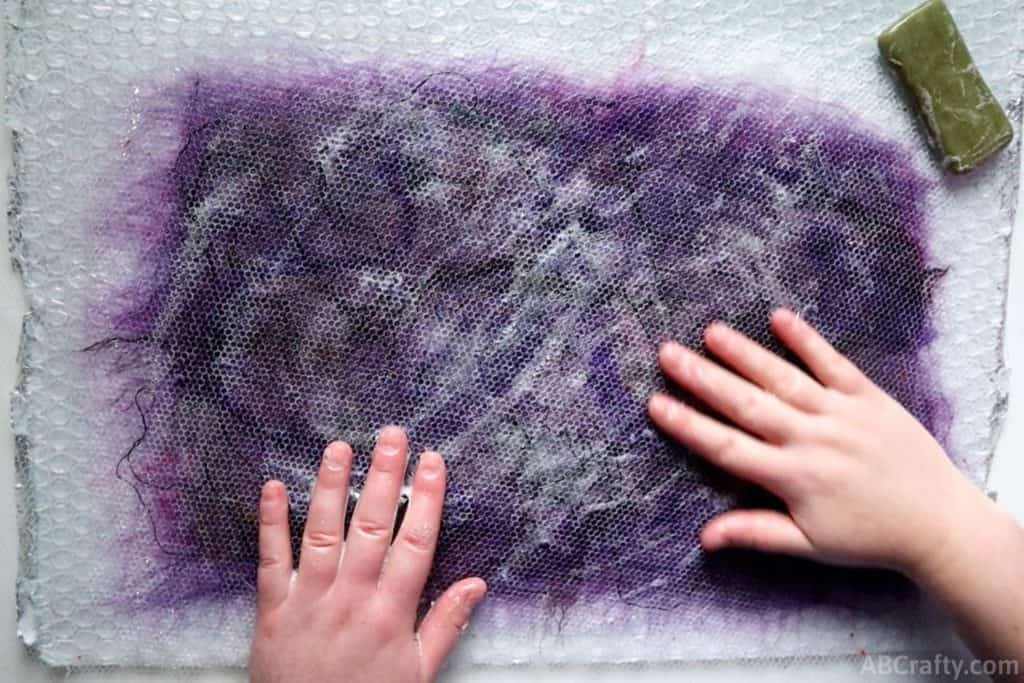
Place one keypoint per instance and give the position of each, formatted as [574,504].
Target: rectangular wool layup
[248,228]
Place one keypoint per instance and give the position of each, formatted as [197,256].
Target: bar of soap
[965,122]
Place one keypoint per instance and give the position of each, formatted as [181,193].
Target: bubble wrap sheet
[248,227]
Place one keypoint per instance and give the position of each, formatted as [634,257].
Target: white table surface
[17,666]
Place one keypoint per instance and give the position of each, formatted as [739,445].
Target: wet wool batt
[489,257]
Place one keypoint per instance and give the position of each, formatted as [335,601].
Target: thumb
[769,531]
[445,622]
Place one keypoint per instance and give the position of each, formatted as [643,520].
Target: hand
[349,612]
[863,482]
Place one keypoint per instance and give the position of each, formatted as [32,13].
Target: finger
[322,538]
[764,368]
[446,621]
[769,531]
[724,447]
[413,550]
[831,368]
[373,520]
[749,407]
[274,574]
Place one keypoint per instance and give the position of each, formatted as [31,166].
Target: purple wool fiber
[489,258]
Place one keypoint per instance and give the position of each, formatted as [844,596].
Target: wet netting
[247,230]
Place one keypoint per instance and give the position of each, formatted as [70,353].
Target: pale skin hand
[349,612]
[862,481]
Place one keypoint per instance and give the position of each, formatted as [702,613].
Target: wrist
[965,528]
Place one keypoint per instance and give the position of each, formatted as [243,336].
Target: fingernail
[671,352]
[783,316]
[390,441]
[272,490]
[472,594]
[271,499]
[723,527]
[334,457]
[430,465]
[662,406]
[716,331]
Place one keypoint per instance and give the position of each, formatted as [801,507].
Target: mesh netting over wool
[242,238]
[490,259]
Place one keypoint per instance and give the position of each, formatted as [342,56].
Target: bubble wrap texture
[247,229]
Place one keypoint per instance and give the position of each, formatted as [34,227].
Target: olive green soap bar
[965,122]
